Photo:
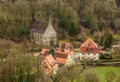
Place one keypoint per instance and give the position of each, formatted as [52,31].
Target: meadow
[101,71]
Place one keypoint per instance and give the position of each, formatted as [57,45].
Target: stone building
[41,35]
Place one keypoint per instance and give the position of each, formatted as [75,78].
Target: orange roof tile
[61,60]
[59,52]
[49,64]
[50,60]
[89,43]
[89,46]
[61,56]
[63,46]
[44,50]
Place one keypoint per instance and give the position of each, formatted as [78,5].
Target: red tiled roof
[89,46]
[59,52]
[44,50]
[50,60]
[61,57]
[61,60]
[89,43]
[67,45]
[49,64]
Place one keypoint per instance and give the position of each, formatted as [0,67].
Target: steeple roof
[50,30]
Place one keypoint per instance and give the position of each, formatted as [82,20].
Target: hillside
[59,40]
[68,16]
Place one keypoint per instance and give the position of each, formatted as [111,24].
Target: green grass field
[101,71]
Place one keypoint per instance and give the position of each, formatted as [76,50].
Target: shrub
[118,79]
[91,77]
[105,56]
[116,56]
[106,39]
[76,44]
[110,76]
[52,52]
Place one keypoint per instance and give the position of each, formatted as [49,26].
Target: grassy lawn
[117,37]
[101,71]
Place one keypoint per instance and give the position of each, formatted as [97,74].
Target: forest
[70,18]
[74,21]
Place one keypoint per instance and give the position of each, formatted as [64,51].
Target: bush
[116,56]
[118,79]
[76,44]
[105,56]
[110,76]
[91,77]
[107,39]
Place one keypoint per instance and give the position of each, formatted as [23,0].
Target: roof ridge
[88,41]
[50,59]
[49,28]
[94,43]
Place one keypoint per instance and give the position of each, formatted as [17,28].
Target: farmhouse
[89,46]
[64,58]
[40,35]
[89,50]
[64,53]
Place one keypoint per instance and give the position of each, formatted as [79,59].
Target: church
[40,35]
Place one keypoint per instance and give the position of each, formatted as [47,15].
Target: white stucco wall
[82,56]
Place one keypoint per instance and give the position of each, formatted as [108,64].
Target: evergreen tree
[52,42]
[100,24]
[52,52]
[106,39]
[69,21]
[72,30]
[92,23]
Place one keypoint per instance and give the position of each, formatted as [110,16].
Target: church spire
[50,20]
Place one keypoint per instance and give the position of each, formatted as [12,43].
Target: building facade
[39,35]
[89,50]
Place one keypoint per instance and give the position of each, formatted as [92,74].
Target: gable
[69,60]
[50,31]
[49,64]
[51,60]
[89,43]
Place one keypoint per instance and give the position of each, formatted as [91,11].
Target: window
[91,49]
